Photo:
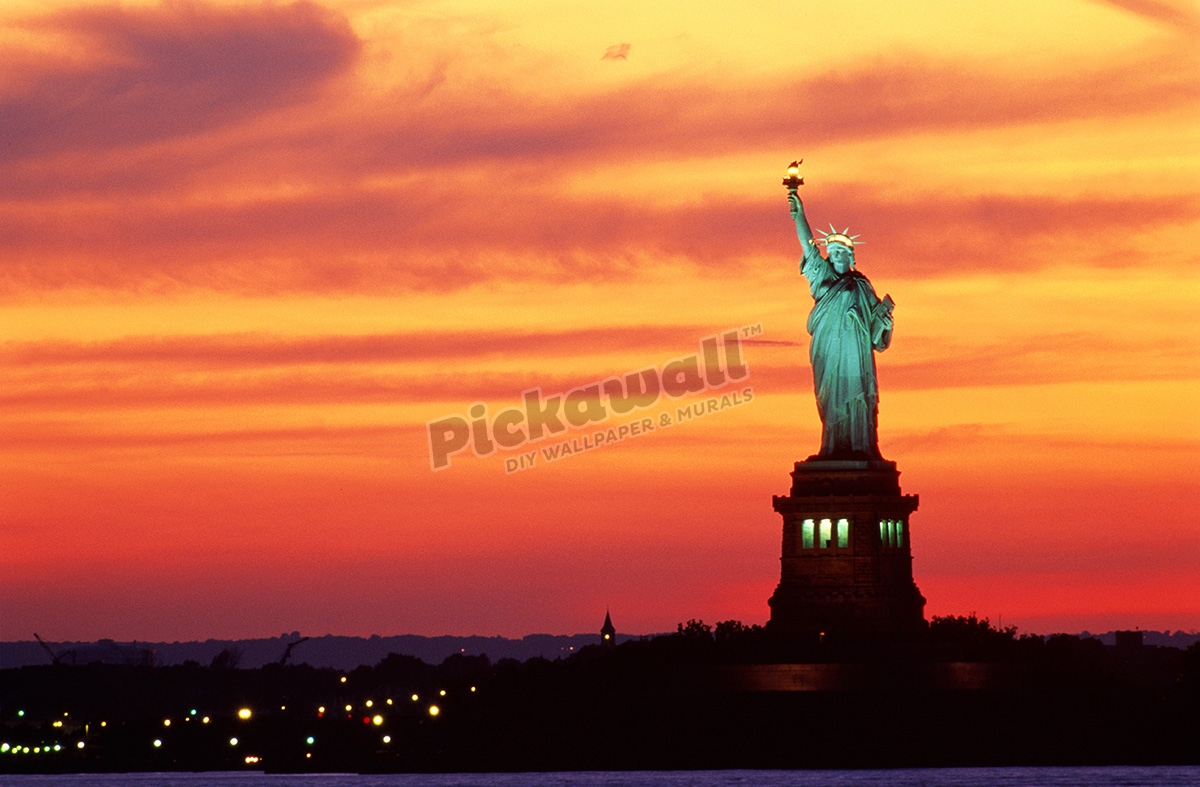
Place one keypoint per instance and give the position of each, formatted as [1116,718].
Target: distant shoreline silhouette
[959,693]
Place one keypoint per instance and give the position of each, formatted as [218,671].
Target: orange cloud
[232,351]
[432,239]
[195,146]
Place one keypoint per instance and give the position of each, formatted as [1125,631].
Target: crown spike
[844,238]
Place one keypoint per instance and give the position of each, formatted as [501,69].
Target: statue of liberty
[848,323]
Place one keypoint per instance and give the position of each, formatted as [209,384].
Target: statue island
[846,564]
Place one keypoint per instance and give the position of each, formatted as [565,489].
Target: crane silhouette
[287,653]
[55,658]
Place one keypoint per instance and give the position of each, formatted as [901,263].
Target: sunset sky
[248,250]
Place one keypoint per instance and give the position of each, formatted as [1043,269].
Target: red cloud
[1181,18]
[140,372]
[169,72]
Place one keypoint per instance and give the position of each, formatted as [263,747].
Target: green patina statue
[848,323]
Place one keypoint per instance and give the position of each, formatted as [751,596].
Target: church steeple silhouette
[608,633]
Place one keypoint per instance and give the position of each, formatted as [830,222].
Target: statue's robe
[846,328]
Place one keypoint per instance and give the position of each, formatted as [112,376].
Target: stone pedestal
[846,564]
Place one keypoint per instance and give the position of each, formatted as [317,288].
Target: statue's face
[840,257]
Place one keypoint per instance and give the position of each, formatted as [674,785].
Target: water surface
[1164,776]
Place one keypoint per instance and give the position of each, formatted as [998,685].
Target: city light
[166,722]
[387,738]
[202,721]
[321,709]
[442,693]
[415,698]
[349,708]
[4,747]
[434,710]
[56,724]
[233,741]
[343,679]
[251,759]
[472,688]
[78,745]
[377,720]
[192,712]
[244,713]
[370,703]
[389,702]
[157,743]
[310,740]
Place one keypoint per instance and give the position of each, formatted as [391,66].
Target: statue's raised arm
[813,266]
[803,231]
[848,324]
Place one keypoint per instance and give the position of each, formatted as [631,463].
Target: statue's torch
[793,181]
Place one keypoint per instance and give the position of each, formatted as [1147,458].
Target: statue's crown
[833,236]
